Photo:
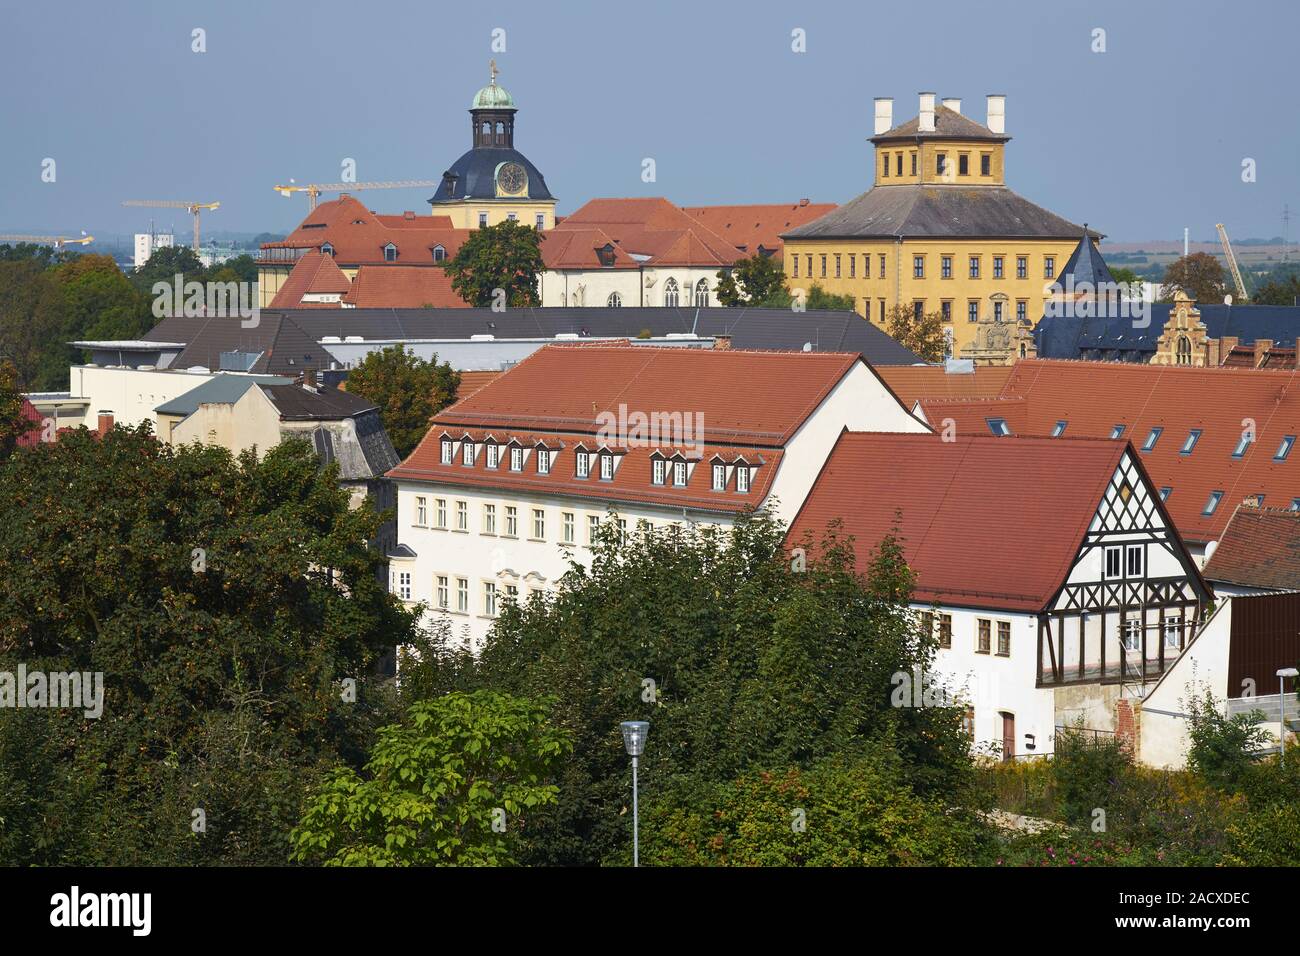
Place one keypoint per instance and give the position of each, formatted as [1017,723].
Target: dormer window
[467,453]
[582,464]
[999,427]
[493,455]
[658,471]
[1117,431]
[742,478]
[719,477]
[516,458]
[606,254]
[606,467]
[390,253]
[679,474]
[448,452]
[439,253]
[327,249]
[543,461]
[1059,430]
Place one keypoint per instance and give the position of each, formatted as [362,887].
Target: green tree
[164,265]
[34,326]
[407,390]
[1199,275]
[922,334]
[1220,747]
[13,423]
[454,786]
[751,282]
[1278,290]
[506,257]
[101,302]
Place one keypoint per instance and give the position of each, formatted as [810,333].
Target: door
[1008,735]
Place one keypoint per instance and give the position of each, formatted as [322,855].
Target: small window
[1284,449]
[1212,503]
[583,464]
[489,519]
[482,220]
[658,468]
[1117,431]
[1004,638]
[945,630]
[512,521]
[963,164]
[1295,504]
[974,267]
[997,267]
[467,453]
[1133,635]
[448,451]
[327,248]
[543,461]
[593,528]
[719,477]
[1059,430]
[1247,439]
[539,524]
[1165,492]
[1022,267]
[1152,438]
[986,162]
[607,467]
[1133,561]
[444,592]
[421,512]
[945,308]
[983,636]
[404,585]
[945,267]
[973,310]
[439,254]
[742,478]
[1193,437]
[1049,267]
[540,221]
[1173,631]
[462,516]
[999,427]
[940,164]
[390,253]
[440,512]
[516,458]
[489,599]
[462,595]
[567,527]
[1022,311]
[1114,565]
[823,263]
[679,474]
[493,455]
[513,217]
[837,266]
[918,267]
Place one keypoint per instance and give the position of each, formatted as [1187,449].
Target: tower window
[1049,267]
[945,267]
[974,267]
[963,164]
[1022,267]
[541,221]
[482,220]
[986,161]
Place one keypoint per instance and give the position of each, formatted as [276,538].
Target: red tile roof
[577,248]
[403,287]
[359,235]
[967,542]
[912,382]
[471,382]
[655,228]
[1094,397]
[1259,548]
[32,437]
[750,228]
[315,273]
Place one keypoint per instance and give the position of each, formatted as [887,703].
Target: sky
[1139,141]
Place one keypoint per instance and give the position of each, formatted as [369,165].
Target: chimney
[952,103]
[105,422]
[1226,344]
[927,113]
[884,114]
[997,119]
[1262,348]
[309,378]
[722,341]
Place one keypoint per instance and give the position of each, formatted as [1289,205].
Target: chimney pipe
[309,378]
[952,103]
[884,114]
[997,118]
[105,422]
[927,113]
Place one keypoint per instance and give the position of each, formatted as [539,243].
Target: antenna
[1286,233]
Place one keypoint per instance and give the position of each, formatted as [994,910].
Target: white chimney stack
[927,113]
[884,114]
[952,103]
[997,121]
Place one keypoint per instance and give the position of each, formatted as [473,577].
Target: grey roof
[279,344]
[1085,265]
[914,212]
[476,176]
[296,403]
[220,390]
[948,124]
[1114,333]
[128,345]
[824,330]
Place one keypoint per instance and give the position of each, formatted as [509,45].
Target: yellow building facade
[939,231]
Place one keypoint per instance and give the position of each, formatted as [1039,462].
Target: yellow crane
[58,242]
[194,208]
[1232,262]
[315,189]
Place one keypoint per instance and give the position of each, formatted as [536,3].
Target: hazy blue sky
[1138,141]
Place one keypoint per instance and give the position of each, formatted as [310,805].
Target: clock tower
[493,181]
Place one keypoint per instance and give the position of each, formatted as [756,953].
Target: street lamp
[634,735]
[1282,675]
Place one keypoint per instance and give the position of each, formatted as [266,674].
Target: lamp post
[634,735]
[1282,675]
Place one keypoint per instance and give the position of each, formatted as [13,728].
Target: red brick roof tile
[1259,548]
[403,287]
[751,227]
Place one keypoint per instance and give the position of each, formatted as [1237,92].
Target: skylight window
[1212,503]
[1193,437]
[1284,449]
[1247,439]
[1059,430]
[1165,492]
[1152,438]
[999,427]
[1295,504]
[1117,431]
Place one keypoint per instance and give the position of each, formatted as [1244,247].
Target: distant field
[1142,256]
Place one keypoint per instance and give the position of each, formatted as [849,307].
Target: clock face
[512,178]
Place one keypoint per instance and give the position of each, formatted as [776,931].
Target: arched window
[1183,354]
[670,293]
[702,294]
[439,253]
[614,300]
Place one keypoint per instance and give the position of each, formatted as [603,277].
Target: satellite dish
[1227,300]
[807,346]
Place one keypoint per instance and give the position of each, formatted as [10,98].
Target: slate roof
[1259,548]
[476,172]
[938,494]
[941,211]
[1113,331]
[279,344]
[948,124]
[295,403]
[1085,265]
[221,390]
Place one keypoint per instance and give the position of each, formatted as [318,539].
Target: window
[973,310]
[439,254]
[404,585]
[489,519]
[719,477]
[808,260]
[918,309]
[540,221]
[444,592]
[1284,449]
[823,263]
[945,267]
[447,451]
[1165,493]
[616,301]
[1049,267]
[670,293]
[963,164]
[1132,635]
[1133,561]
[997,311]
[482,220]
[593,528]
[941,164]
[974,267]
[462,595]
[853,266]
[885,166]
[999,427]
[512,521]
[1004,638]
[543,461]
[918,267]
[582,464]
[1059,430]
[997,267]
[1152,438]
[493,455]
[866,265]
[945,630]
[968,721]
[795,260]
[882,265]
[512,594]
[898,163]
[1117,431]
[913,155]
[1022,311]
[984,636]
[566,527]
[607,467]
[742,478]
[1212,503]
[327,248]
[1022,267]
[489,599]
[1114,566]
[1247,439]
[1192,437]
[516,458]
[539,524]
[1295,504]
[390,253]
[1183,351]
[467,453]
[421,511]
[657,471]
[441,512]
[1173,631]
[679,474]
[462,516]
[702,294]
[837,266]
[945,307]
[986,164]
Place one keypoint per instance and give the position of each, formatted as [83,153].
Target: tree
[505,257]
[454,786]
[14,423]
[101,302]
[34,327]
[1199,275]
[164,265]
[1278,290]
[407,390]
[1220,747]
[752,282]
[922,334]
[236,615]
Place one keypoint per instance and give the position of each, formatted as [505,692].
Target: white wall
[592,287]
[130,394]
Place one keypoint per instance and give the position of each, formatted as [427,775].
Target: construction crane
[315,189]
[1232,262]
[194,208]
[58,242]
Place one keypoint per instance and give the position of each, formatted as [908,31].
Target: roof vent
[482,338]
[354,338]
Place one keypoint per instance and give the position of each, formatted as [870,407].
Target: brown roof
[471,382]
[315,273]
[579,248]
[751,228]
[359,235]
[913,382]
[1259,548]
[403,287]
[938,495]
[655,228]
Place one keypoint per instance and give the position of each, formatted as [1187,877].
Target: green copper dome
[493,97]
